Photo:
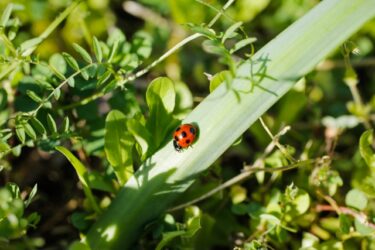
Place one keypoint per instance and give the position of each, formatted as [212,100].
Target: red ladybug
[184,136]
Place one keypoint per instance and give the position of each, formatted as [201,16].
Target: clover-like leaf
[160,98]
[356,199]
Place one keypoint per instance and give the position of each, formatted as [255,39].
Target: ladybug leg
[176,146]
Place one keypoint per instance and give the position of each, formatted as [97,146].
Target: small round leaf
[356,199]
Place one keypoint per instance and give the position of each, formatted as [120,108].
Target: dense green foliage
[83,84]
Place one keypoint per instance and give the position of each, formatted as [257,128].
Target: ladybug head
[176,146]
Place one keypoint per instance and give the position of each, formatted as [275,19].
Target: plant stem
[276,141]
[241,177]
[345,210]
[351,80]
[8,43]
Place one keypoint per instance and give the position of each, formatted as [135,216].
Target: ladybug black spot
[187,141]
[175,138]
[192,130]
[183,133]
[177,129]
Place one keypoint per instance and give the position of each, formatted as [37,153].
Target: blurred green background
[316,108]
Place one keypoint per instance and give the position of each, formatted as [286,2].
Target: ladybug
[184,136]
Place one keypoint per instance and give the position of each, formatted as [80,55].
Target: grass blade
[81,173]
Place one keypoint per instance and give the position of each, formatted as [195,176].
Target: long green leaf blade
[81,173]
[6,15]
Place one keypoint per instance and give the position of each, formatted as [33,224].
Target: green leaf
[184,100]
[20,132]
[240,44]
[363,228]
[331,245]
[167,237]
[51,124]
[97,49]
[97,181]
[193,227]
[34,96]
[57,93]
[58,63]
[302,201]
[356,199]
[80,220]
[255,245]
[116,36]
[271,219]
[230,32]
[110,86]
[84,54]
[3,99]
[57,73]
[33,219]
[6,15]
[118,145]
[71,61]
[65,124]
[71,82]
[103,78]
[81,172]
[30,143]
[76,245]
[161,94]
[298,201]
[141,135]
[85,74]
[160,98]
[345,223]
[47,105]
[44,84]
[204,30]
[192,220]
[16,151]
[30,44]
[30,131]
[142,44]
[90,70]
[113,51]
[366,150]
[31,195]
[14,190]
[214,47]
[12,33]
[238,194]
[219,78]
[309,241]
[4,147]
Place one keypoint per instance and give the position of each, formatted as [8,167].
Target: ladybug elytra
[184,136]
